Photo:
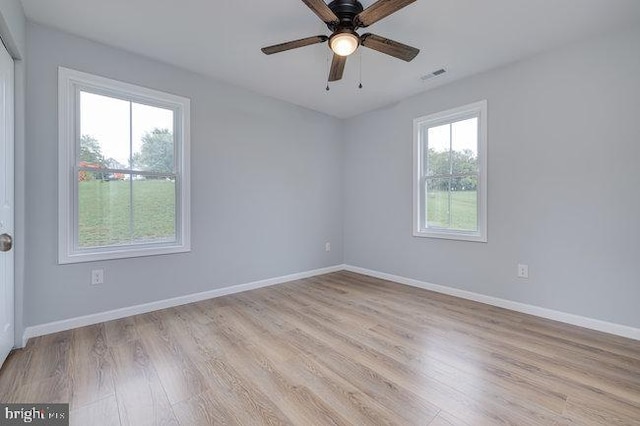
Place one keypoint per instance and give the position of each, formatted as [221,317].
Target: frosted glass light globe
[344,44]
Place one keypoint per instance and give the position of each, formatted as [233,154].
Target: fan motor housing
[346,11]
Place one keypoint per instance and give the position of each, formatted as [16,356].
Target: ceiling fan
[344,17]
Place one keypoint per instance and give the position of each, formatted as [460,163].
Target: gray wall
[12,27]
[563,191]
[13,33]
[266,187]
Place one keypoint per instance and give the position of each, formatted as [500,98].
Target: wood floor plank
[220,371]
[103,412]
[470,367]
[341,348]
[358,407]
[53,390]
[598,412]
[382,388]
[90,366]
[45,376]
[445,419]
[140,395]
[243,402]
[179,376]
[121,331]
[203,410]
[302,406]
[306,404]
[50,356]
[396,375]
[14,374]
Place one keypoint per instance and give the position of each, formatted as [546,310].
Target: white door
[6,203]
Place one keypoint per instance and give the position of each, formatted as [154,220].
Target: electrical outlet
[327,246]
[97,277]
[523,271]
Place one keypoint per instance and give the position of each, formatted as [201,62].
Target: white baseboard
[590,323]
[68,324]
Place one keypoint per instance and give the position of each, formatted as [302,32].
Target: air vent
[433,74]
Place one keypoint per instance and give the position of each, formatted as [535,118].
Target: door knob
[6,242]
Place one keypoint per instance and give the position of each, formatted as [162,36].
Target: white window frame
[70,83]
[420,228]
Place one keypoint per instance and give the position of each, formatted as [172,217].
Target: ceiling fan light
[344,43]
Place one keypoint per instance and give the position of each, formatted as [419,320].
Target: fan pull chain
[328,71]
[360,57]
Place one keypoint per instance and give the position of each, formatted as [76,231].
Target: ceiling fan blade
[270,50]
[337,67]
[379,10]
[321,9]
[389,47]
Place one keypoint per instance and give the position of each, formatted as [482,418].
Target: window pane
[154,209]
[153,144]
[465,146]
[438,150]
[437,203]
[464,203]
[103,209]
[104,131]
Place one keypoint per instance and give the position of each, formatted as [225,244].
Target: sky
[463,135]
[107,120]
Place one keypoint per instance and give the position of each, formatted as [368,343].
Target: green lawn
[105,217]
[104,213]
[464,212]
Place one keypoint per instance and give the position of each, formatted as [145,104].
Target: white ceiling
[222,39]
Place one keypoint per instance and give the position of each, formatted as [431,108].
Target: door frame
[8,194]
[13,35]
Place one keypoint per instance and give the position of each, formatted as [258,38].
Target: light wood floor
[336,349]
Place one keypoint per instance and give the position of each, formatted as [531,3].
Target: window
[123,170]
[450,174]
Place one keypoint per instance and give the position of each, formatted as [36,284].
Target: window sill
[110,253]
[451,235]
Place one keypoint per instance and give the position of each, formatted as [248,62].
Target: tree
[90,151]
[457,162]
[91,156]
[156,153]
